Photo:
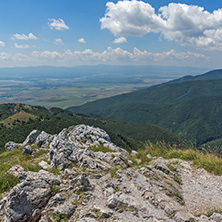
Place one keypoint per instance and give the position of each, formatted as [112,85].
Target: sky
[91,32]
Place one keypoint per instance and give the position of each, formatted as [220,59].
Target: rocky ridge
[95,181]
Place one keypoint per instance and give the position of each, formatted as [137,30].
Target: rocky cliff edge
[84,177]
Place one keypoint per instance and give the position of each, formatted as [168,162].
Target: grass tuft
[113,171]
[101,148]
[207,161]
[7,182]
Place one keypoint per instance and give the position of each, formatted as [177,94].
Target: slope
[126,135]
[214,74]
[192,109]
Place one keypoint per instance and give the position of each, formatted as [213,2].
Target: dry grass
[12,158]
[101,148]
[209,162]
[21,116]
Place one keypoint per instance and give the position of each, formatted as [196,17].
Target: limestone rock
[44,165]
[26,200]
[96,186]
[16,170]
[67,209]
[11,146]
[27,150]
[31,137]
[43,139]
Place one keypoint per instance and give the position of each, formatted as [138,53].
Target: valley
[63,92]
[63,87]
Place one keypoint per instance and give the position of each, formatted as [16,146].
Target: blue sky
[86,32]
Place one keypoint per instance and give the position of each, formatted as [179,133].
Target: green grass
[112,171]
[101,148]
[178,180]
[207,161]
[60,218]
[55,171]
[40,152]
[15,157]
[7,182]
[10,159]
[54,189]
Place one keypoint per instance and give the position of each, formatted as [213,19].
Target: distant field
[63,87]
[64,93]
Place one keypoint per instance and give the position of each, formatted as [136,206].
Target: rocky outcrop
[31,137]
[71,146]
[27,150]
[11,146]
[102,186]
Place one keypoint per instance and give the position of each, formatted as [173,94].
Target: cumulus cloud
[47,55]
[108,56]
[18,46]
[57,24]
[182,23]
[118,54]
[82,40]
[30,36]
[2,43]
[4,56]
[120,40]
[14,57]
[58,42]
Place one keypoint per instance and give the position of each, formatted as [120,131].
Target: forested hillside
[18,120]
[190,109]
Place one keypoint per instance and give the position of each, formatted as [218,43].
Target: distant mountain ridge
[214,74]
[190,107]
[37,72]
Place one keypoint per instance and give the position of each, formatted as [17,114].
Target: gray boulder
[63,154]
[43,139]
[67,209]
[67,148]
[31,137]
[11,146]
[25,201]
[87,135]
[16,170]
[27,150]
[44,165]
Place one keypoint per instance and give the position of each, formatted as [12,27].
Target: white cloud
[185,24]
[57,24]
[82,40]
[4,56]
[130,18]
[118,54]
[13,57]
[2,43]
[30,36]
[120,40]
[17,46]
[58,42]
[47,55]
[113,56]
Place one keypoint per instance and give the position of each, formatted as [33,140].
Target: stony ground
[96,186]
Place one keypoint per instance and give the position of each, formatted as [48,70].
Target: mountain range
[190,107]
